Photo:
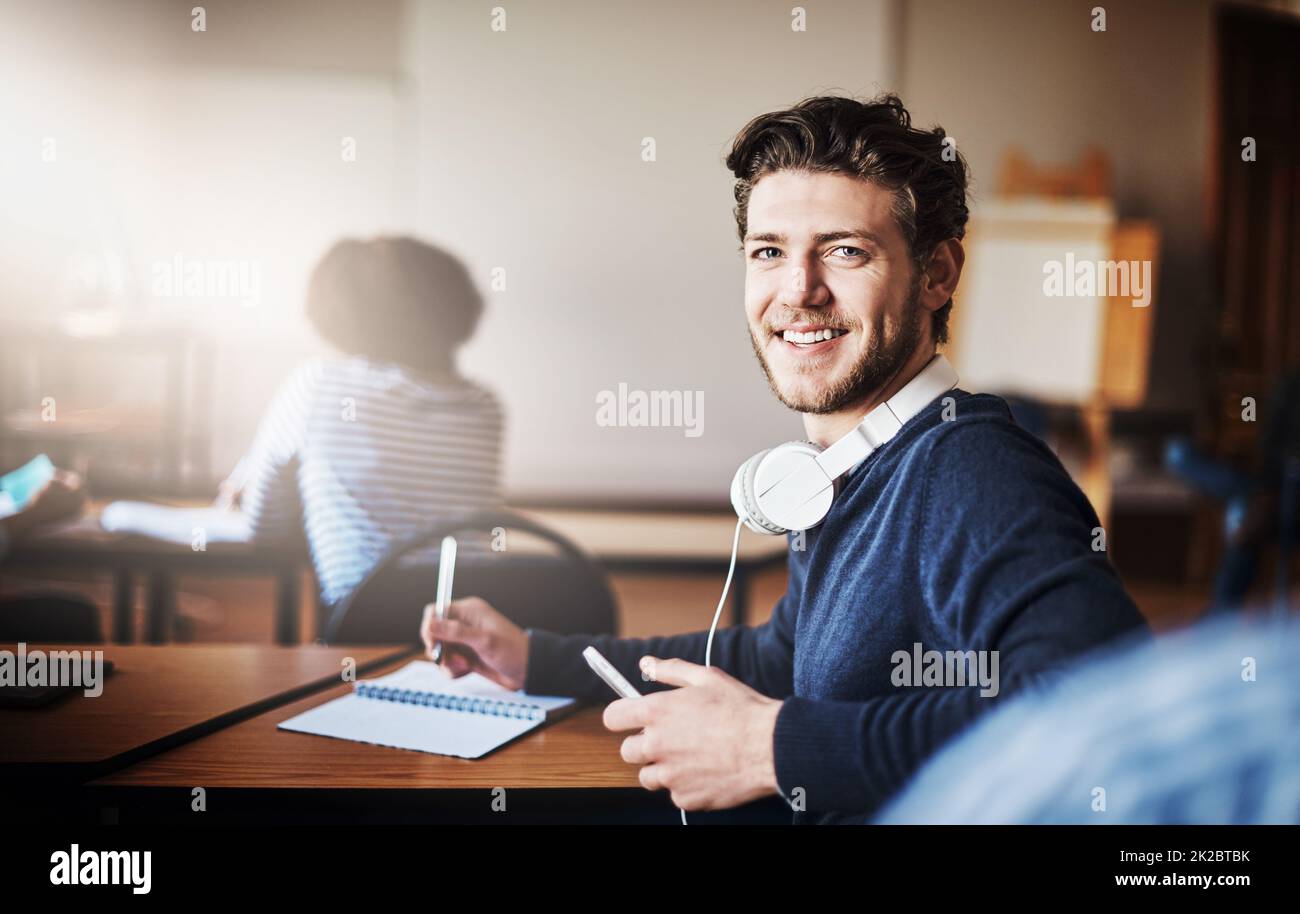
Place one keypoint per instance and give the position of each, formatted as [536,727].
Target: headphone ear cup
[771,499]
[745,502]
[779,460]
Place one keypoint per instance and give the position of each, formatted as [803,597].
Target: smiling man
[961,535]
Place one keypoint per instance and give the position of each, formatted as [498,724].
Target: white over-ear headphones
[791,486]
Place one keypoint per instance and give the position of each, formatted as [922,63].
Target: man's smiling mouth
[812,336]
[817,338]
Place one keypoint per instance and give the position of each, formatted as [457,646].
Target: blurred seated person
[365,449]
[46,617]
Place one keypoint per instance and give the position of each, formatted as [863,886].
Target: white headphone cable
[717,613]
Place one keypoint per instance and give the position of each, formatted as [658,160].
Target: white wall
[617,270]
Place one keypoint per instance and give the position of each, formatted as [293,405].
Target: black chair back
[566,593]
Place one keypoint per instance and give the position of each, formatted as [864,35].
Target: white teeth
[811,336]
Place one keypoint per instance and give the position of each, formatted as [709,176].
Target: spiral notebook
[421,707]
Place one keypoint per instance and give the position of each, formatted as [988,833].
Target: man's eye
[762,253]
[850,251]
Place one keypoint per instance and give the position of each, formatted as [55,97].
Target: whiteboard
[1015,331]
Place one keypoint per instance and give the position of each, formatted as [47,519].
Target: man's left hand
[709,742]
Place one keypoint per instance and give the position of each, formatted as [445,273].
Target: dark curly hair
[394,299]
[874,141]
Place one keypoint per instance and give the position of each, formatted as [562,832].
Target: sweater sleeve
[1008,566]
[761,656]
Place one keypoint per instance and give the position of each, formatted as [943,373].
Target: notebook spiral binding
[490,706]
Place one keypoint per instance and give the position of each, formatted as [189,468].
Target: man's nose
[802,288]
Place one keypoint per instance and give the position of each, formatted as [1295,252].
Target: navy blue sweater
[964,534]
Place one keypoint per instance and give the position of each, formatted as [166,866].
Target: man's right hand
[477,639]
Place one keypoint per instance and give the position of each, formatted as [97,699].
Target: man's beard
[882,360]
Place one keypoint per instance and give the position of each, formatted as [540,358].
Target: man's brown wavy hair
[874,141]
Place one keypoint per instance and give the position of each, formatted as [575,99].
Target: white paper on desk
[439,730]
[174,525]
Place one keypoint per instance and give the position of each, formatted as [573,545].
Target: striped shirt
[360,455]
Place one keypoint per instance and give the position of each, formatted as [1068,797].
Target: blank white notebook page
[420,707]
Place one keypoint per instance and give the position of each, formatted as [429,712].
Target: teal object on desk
[26,481]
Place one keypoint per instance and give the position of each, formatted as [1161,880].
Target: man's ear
[941,274]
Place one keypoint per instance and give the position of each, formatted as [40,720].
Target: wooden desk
[84,544]
[157,698]
[273,768]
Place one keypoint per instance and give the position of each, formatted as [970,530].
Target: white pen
[446,572]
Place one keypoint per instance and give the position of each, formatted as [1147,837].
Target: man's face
[830,289]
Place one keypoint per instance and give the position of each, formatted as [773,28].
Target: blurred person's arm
[62,497]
